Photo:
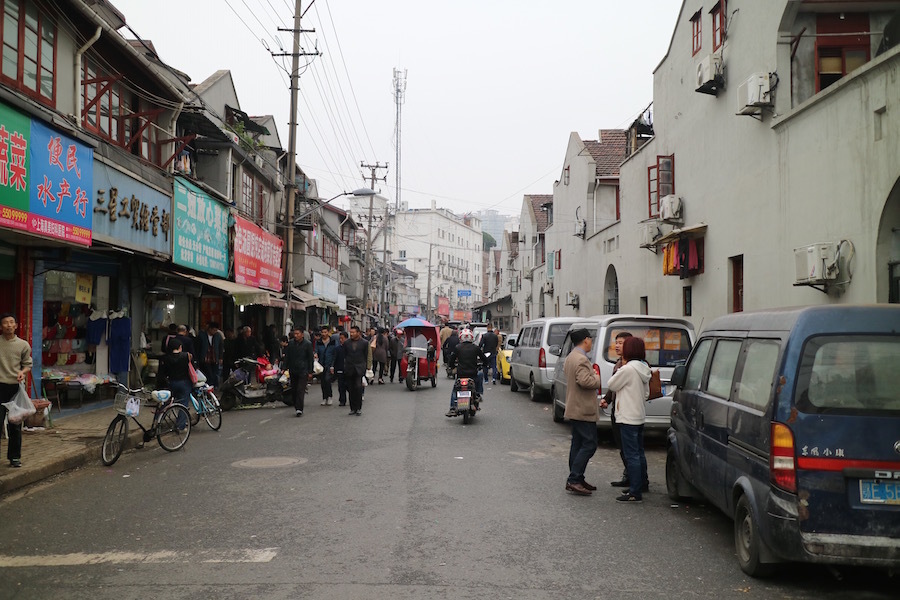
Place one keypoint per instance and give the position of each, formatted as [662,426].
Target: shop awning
[693,231]
[308,300]
[242,294]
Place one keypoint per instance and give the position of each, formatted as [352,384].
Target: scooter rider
[467,357]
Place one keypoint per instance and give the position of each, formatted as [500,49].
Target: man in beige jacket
[582,410]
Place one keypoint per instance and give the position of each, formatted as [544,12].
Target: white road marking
[261,555]
[237,435]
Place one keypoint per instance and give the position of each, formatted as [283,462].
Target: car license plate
[463,394]
[879,492]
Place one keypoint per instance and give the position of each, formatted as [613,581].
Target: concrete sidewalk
[73,441]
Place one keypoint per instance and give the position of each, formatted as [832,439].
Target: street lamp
[289,279]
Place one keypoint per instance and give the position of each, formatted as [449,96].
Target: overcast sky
[494,87]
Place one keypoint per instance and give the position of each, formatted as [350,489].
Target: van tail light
[597,371]
[782,464]
[542,359]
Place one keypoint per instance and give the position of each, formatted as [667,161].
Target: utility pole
[384,280]
[428,285]
[368,269]
[399,98]
[290,169]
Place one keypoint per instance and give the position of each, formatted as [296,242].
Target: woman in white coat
[631,385]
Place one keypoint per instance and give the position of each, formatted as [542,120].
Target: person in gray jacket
[582,410]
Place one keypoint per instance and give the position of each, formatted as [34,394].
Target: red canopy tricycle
[421,352]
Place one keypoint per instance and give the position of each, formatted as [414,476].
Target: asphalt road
[398,503]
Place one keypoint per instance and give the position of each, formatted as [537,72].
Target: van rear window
[665,346]
[849,374]
[556,335]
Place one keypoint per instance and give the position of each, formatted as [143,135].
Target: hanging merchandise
[119,344]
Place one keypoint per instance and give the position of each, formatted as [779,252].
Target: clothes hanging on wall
[119,344]
[96,329]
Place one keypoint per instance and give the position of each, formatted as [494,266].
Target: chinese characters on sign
[45,180]
[257,256]
[200,234]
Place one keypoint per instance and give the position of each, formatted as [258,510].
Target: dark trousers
[635,460]
[355,390]
[342,388]
[617,439]
[382,369]
[211,370]
[584,444]
[394,363]
[181,390]
[8,391]
[325,382]
[299,390]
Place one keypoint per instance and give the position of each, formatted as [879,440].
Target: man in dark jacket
[299,360]
[247,345]
[468,358]
[450,345]
[209,353]
[337,369]
[325,349]
[395,353]
[357,360]
[489,344]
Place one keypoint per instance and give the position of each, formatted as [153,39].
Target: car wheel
[513,384]
[533,393]
[558,414]
[747,542]
[673,476]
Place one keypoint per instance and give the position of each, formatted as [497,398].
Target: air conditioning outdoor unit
[580,227]
[709,74]
[571,299]
[815,264]
[649,232]
[754,94]
[670,209]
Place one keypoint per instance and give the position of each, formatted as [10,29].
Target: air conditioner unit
[258,160]
[709,75]
[754,94]
[580,227]
[649,232]
[571,299]
[815,264]
[670,209]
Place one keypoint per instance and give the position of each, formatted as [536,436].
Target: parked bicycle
[205,404]
[171,425]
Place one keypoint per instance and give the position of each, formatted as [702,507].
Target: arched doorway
[611,292]
[887,250]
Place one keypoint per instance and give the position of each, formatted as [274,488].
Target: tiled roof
[608,152]
[537,201]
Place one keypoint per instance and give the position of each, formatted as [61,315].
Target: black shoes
[15,463]
[620,483]
[626,497]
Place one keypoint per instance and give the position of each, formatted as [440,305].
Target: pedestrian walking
[15,364]
[582,410]
[325,350]
[299,360]
[210,352]
[609,400]
[380,354]
[337,369]
[631,385]
[489,344]
[395,353]
[357,360]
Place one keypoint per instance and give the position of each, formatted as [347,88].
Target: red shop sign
[257,256]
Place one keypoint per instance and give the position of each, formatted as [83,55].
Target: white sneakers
[326,402]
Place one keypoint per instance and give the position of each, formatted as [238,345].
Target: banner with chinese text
[257,256]
[45,180]
[200,235]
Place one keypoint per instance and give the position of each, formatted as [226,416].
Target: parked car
[503,357]
[789,422]
[532,364]
[668,343]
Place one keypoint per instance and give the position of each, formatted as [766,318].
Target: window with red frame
[718,24]
[838,51]
[618,205]
[247,194]
[660,182]
[29,50]
[696,33]
[330,253]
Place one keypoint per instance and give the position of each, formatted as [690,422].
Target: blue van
[789,422]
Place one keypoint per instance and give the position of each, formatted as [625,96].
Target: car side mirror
[513,343]
[679,375]
[555,350]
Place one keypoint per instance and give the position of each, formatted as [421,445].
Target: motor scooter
[241,387]
[468,400]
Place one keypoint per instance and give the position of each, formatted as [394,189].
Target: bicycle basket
[127,404]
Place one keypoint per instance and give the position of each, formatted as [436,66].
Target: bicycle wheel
[212,412]
[114,440]
[168,434]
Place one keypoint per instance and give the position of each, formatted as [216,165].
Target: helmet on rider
[466,336]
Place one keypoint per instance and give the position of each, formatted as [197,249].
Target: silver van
[668,342]
[532,364]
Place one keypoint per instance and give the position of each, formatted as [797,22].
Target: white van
[532,363]
[668,343]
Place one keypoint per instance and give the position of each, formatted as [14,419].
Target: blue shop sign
[201,230]
[130,214]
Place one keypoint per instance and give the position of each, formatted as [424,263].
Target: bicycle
[205,404]
[165,425]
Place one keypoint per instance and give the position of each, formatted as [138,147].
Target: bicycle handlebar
[125,388]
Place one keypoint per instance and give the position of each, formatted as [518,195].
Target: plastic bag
[317,368]
[132,407]
[370,374]
[20,407]
[365,382]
